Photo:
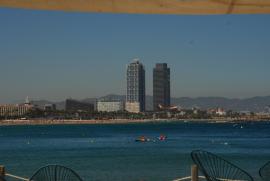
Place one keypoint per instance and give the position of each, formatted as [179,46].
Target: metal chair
[264,172]
[215,168]
[55,173]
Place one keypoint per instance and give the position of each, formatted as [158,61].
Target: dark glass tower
[161,86]
[136,85]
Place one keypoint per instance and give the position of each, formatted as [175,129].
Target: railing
[194,175]
[4,174]
[187,178]
[16,177]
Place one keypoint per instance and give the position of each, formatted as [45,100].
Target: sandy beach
[56,122]
[115,121]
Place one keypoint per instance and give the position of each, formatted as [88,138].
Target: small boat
[162,137]
[142,139]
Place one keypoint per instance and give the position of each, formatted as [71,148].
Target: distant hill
[255,104]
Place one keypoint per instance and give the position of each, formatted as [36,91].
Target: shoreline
[121,121]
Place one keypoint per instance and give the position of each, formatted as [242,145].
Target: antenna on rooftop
[27,100]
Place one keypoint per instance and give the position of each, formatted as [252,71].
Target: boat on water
[142,139]
[162,137]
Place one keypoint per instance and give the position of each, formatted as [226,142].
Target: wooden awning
[146,6]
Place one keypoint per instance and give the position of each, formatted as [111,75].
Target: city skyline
[57,55]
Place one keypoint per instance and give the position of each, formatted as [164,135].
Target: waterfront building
[49,107]
[10,110]
[217,111]
[74,106]
[161,86]
[14,110]
[135,98]
[133,107]
[221,112]
[110,106]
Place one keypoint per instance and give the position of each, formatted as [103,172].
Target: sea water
[110,153]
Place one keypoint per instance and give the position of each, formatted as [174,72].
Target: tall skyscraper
[161,86]
[135,99]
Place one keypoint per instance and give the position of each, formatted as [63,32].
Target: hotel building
[135,98]
[161,86]
[10,110]
[110,106]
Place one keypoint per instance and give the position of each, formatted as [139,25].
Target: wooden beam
[194,173]
[2,171]
[146,6]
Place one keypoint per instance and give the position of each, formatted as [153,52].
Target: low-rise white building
[110,106]
[217,111]
[15,109]
[221,112]
[133,107]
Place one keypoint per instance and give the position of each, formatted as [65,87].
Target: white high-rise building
[135,98]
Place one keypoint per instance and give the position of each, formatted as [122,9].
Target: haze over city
[55,55]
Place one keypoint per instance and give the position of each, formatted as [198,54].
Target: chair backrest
[265,172]
[55,173]
[215,168]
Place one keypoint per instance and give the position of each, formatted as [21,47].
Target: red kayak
[162,137]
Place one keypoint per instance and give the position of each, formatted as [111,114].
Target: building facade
[49,107]
[133,107]
[161,86]
[15,110]
[135,98]
[110,106]
[74,106]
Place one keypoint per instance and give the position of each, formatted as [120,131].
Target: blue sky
[54,55]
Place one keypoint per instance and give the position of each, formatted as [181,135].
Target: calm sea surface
[109,152]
